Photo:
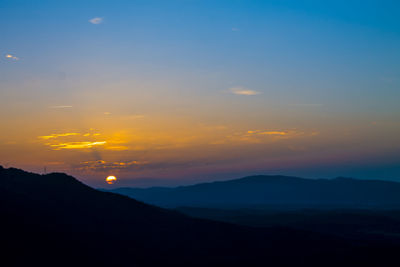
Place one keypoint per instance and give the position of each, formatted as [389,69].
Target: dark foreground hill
[54,220]
[274,192]
[377,224]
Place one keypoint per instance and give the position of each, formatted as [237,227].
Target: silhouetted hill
[54,220]
[274,192]
[378,224]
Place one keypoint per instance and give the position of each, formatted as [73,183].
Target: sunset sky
[200,90]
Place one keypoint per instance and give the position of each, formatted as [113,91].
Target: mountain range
[277,192]
[55,220]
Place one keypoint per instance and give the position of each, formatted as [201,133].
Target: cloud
[243,91]
[101,165]
[278,133]
[11,57]
[82,141]
[53,140]
[46,137]
[60,107]
[235,29]
[77,145]
[91,134]
[96,20]
[264,136]
[282,134]
[268,132]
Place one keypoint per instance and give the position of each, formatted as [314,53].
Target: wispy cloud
[11,57]
[268,132]
[290,133]
[235,29]
[81,141]
[60,107]
[243,91]
[46,137]
[101,165]
[77,145]
[96,20]
[91,134]
[264,136]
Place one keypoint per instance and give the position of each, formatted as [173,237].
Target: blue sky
[202,76]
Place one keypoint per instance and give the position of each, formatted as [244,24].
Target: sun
[111,179]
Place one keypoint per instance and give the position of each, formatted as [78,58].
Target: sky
[179,92]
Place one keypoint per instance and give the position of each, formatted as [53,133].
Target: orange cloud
[268,132]
[46,137]
[77,145]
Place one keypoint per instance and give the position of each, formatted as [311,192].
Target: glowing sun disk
[111,179]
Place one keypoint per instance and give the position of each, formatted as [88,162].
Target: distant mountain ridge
[55,220]
[274,192]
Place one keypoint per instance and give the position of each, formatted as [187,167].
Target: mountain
[354,223]
[274,192]
[55,220]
